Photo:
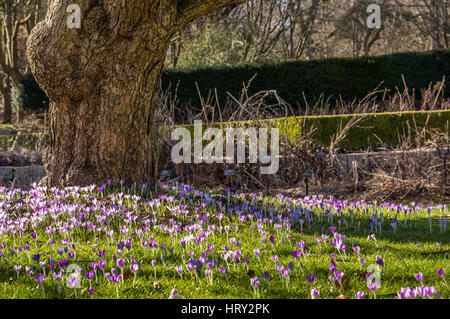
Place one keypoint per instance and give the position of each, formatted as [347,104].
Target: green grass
[412,248]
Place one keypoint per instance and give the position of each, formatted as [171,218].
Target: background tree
[102,80]
[17,18]
[431,18]
[297,35]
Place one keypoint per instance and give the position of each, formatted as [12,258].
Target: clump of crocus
[89,275]
[179,270]
[17,269]
[73,282]
[40,280]
[154,267]
[423,291]
[254,282]
[362,261]
[134,267]
[441,273]
[373,287]
[286,273]
[121,263]
[114,278]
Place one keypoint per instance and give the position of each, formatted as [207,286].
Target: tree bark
[7,105]
[102,80]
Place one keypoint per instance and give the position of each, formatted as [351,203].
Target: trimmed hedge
[386,126]
[347,77]
[29,96]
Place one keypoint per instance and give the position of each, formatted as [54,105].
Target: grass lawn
[176,241]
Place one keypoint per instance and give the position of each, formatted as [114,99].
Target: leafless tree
[17,18]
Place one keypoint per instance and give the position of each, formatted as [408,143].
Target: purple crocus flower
[254,282]
[223,270]
[115,278]
[338,275]
[73,281]
[37,257]
[333,267]
[360,295]
[373,286]
[120,263]
[173,294]
[57,276]
[441,272]
[40,279]
[286,273]
[422,291]
[403,294]
[101,254]
[311,279]
[297,254]
[102,264]
[419,276]
[89,275]
[17,268]
[134,267]
[379,261]
[314,293]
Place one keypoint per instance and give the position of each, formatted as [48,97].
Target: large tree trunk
[102,81]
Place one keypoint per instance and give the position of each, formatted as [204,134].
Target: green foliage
[28,95]
[215,46]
